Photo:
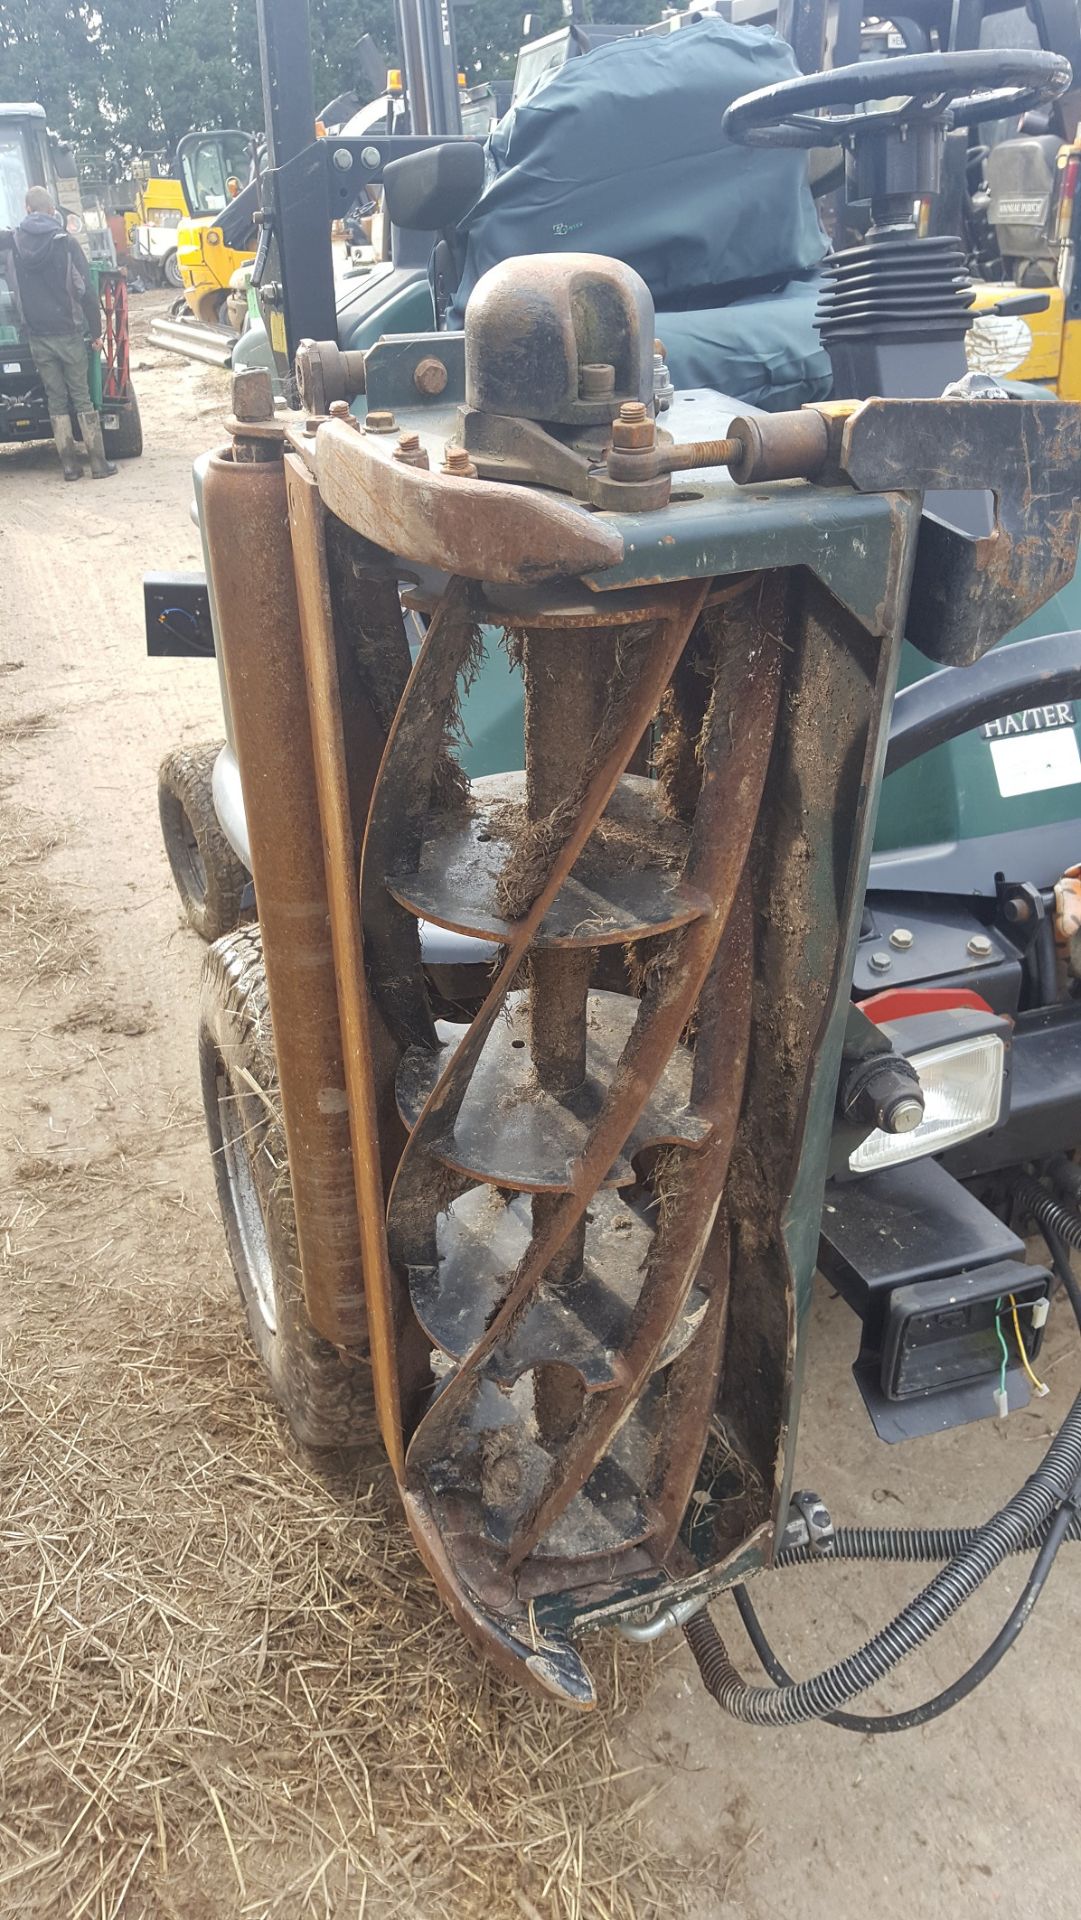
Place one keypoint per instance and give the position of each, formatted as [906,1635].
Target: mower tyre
[214,886]
[327,1400]
[125,441]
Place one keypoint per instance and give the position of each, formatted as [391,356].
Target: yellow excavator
[215,243]
[150,228]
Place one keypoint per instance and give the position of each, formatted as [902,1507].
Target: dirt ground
[225,1685]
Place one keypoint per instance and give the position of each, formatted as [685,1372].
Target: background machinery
[214,244]
[31,156]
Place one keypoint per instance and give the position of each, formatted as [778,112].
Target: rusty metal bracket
[967,593]
[479,529]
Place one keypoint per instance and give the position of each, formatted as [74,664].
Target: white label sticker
[1036,762]
[997,343]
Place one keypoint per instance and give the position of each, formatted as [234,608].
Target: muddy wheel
[213,885]
[328,1402]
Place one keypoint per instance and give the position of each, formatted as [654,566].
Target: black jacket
[55,290]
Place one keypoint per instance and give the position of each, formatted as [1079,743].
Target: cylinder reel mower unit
[571,1221]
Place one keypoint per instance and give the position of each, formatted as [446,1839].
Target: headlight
[962,1091]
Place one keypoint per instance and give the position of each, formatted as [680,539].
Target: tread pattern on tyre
[328,1401]
[185,788]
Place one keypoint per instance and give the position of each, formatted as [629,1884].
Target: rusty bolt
[381,420]
[253,395]
[410,452]
[635,429]
[340,410]
[430,375]
[597,380]
[456,460]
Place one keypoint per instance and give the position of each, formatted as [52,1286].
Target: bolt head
[980,946]
[343,159]
[905,1115]
[880,962]
[430,375]
[380,420]
[901,938]
[370,156]
[596,379]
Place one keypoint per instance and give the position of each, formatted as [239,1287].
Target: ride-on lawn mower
[28,154]
[557,1210]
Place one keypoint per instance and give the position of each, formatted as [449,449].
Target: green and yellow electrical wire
[1038,1385]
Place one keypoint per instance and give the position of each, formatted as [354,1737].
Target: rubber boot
[100,468]
[65,446]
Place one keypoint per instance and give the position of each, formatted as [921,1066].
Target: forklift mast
[310,183]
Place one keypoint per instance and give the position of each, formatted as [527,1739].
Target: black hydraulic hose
[1023,1517]
[902,1545]
[1060,1260]
[1064,1524]
[1050,1215]
[973,1554]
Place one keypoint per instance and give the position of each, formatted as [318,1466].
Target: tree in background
[49,52]
[121,77]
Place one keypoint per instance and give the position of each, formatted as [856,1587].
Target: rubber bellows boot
[95,446]
[65,446]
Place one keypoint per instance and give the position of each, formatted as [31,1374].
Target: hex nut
[252,394]
[901,938]
[980,946]
[880,962]
[635,429]
[381,420]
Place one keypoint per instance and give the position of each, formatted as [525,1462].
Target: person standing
[59,304]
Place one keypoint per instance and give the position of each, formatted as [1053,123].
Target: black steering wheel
[949,88]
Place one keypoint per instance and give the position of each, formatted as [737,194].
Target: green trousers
[60,358]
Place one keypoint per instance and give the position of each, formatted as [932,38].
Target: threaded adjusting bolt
[456,460]
[409,451]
